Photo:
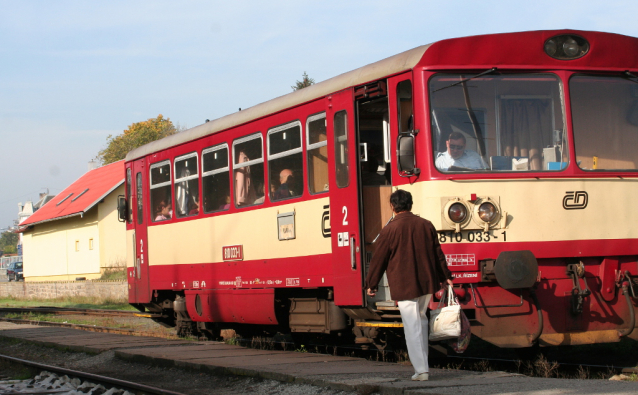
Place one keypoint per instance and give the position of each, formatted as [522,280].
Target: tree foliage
[304,83]
[8,242]
[136,135]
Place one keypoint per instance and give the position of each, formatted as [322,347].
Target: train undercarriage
[575,302]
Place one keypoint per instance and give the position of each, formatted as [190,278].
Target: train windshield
[605,119]
[509,122]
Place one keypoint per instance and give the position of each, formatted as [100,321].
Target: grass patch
[97,321]
[78,302]
[114,274]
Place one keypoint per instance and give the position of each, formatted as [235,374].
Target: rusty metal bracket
[576,271]
[533,337]
[492,306]
[630,306]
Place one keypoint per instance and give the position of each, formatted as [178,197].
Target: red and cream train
[266,218]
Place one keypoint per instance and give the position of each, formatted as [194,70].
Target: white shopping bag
[445,321]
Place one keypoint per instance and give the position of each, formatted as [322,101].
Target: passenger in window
[162,212]
[261,194]
[457,156]
[226,205]
[287,186]
[194,206]
[244,190]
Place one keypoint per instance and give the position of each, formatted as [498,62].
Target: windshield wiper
[493,69]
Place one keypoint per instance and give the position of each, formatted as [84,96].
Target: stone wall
[100,290]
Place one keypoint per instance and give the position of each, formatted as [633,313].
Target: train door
[375,167]
[140,249]
[344,199]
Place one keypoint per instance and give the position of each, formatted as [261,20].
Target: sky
[74,72]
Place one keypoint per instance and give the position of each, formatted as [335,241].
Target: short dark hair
[456,136]
[401,201]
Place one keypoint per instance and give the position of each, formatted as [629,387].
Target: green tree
[304,83]
[8,242]
[136,135]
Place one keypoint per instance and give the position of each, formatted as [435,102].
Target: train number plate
[472,236]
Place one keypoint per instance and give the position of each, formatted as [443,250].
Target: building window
[90,244]
[77,245]
[216,178]
[186,185]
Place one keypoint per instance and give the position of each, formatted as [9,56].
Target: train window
[605,119]
[507,122]
[161,198]
[140,200]
[341,148]
[317,149]
[248,167]
[186,185]
[215,178]
[129,196]
[285,161]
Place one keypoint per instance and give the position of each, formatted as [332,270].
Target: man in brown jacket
[408,250]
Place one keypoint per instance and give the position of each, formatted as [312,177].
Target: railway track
[465,362]
[84,382]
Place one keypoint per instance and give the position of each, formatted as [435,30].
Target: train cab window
[129,196]
[248,168]
[605,119]
[285,161]
[498,122]
[161,197]
[317,149]
[140,199]
[341,148]
[186,185]
[215,178]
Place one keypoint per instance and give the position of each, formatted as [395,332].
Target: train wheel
[186,329]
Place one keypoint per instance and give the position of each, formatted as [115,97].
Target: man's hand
[371,292]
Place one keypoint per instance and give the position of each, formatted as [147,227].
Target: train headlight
[487,212]
[570,47]
[566,47]
[457,213]
[550,47]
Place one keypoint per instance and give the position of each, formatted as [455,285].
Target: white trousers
[415,327]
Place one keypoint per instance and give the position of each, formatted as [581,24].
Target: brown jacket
[409,250]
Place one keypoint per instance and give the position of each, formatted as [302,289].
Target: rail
[110,381]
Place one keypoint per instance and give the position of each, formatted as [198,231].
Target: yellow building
[77,234]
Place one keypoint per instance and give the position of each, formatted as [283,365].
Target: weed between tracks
[67,301]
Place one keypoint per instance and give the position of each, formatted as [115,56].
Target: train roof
[522,50]
[392,65]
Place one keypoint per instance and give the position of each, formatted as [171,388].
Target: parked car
[14,271]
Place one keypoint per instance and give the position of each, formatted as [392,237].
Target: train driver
[456,155]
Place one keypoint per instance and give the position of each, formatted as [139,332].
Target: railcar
[266,218]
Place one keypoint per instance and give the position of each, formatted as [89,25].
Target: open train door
[140,272]
[344,199]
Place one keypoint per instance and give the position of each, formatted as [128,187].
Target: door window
[317,148]
[341,148]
